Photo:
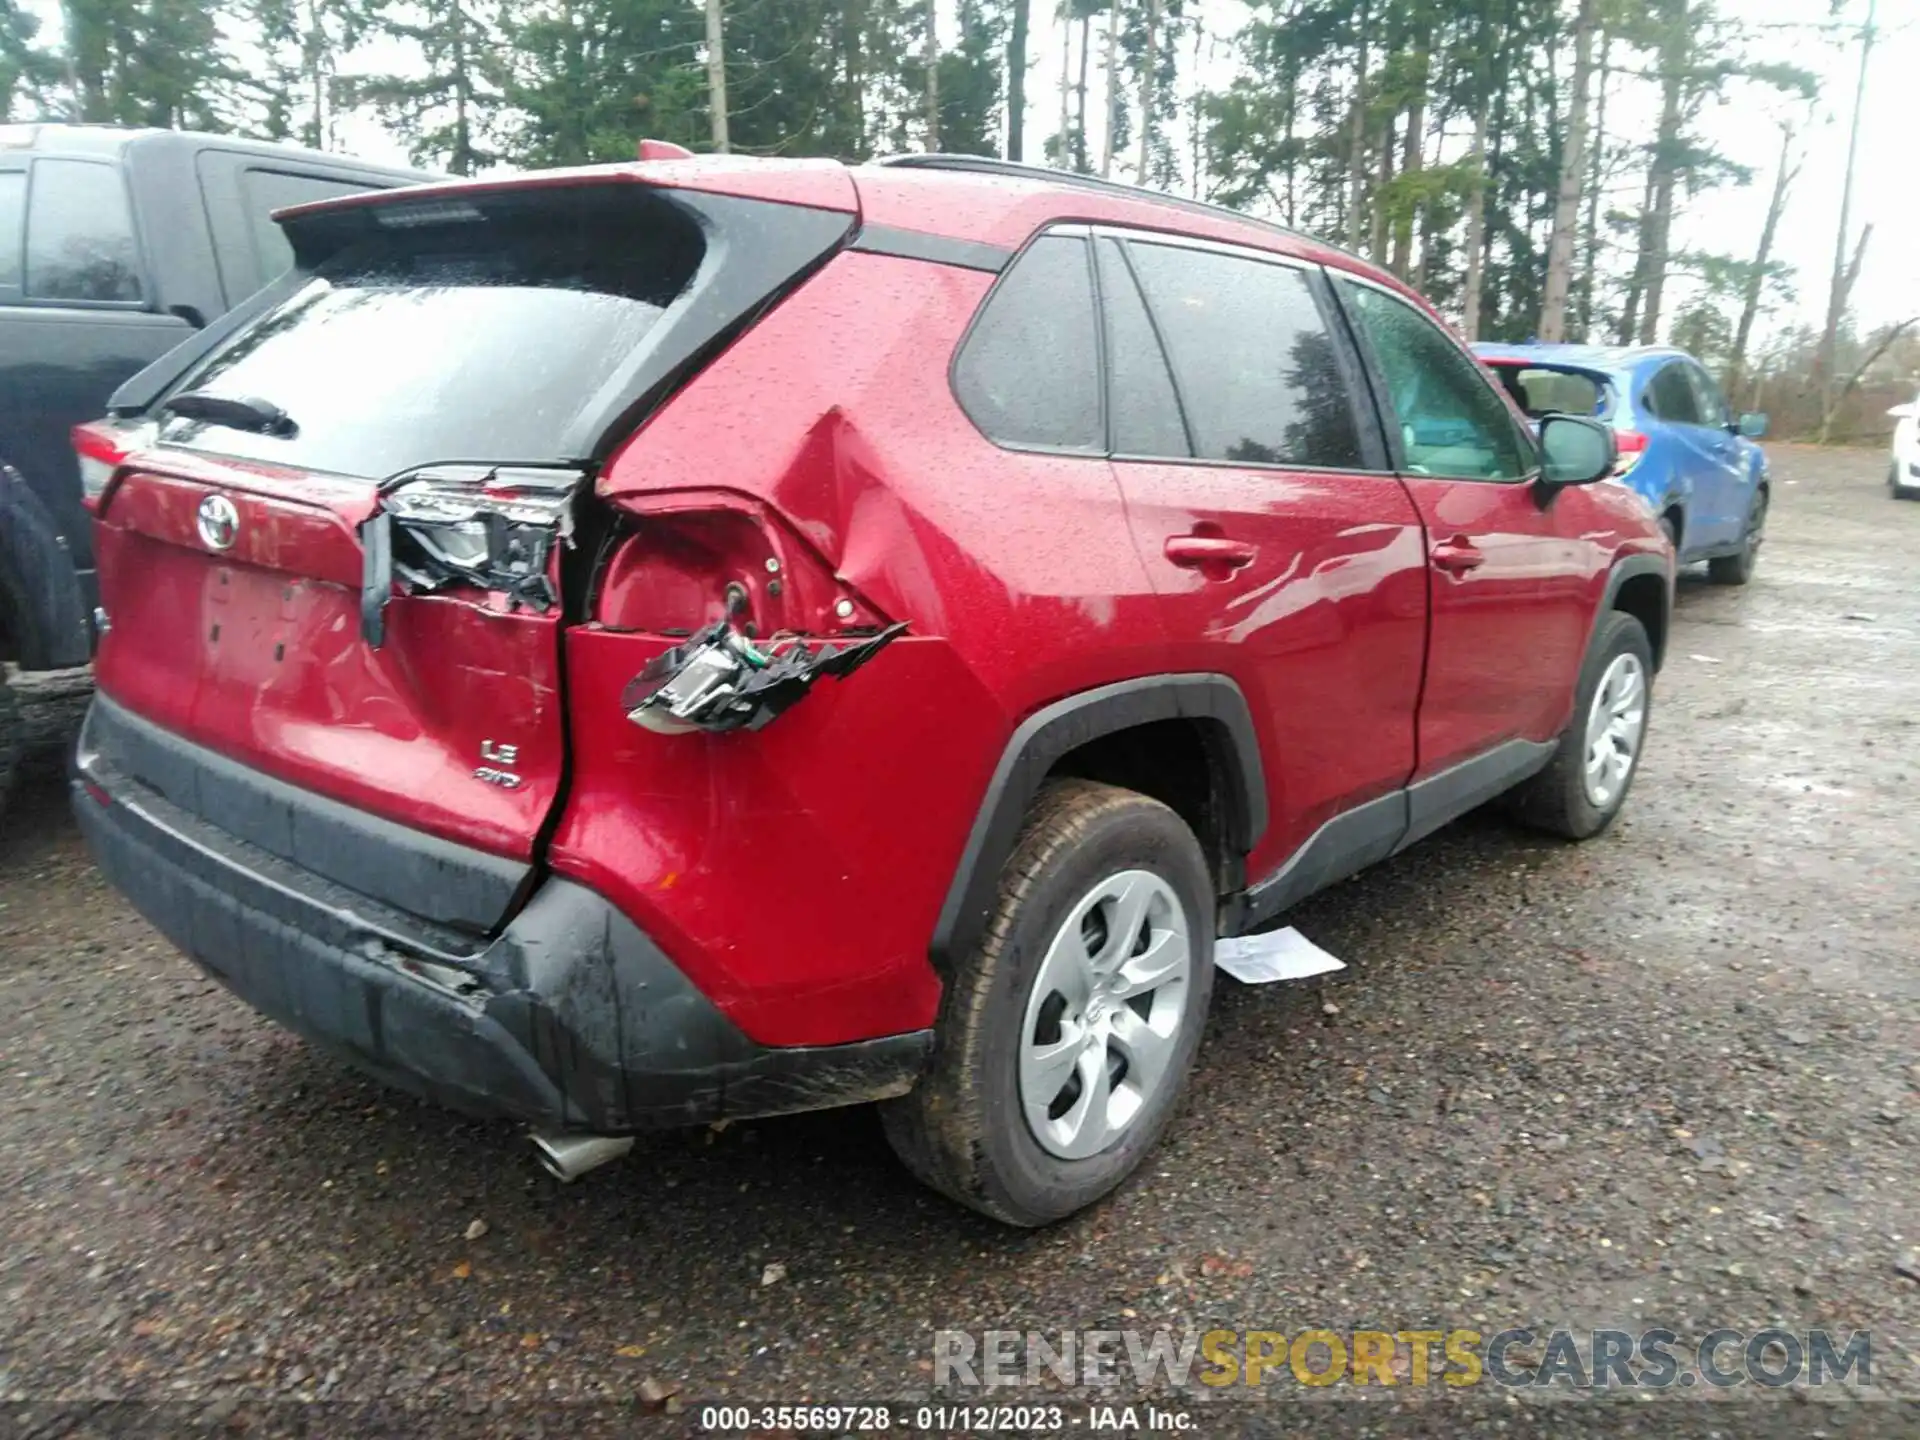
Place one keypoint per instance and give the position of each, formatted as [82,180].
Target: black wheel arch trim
[1056,730]
[1624,569]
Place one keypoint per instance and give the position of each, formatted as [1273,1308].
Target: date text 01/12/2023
[940,1419]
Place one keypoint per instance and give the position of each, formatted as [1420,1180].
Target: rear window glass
[1554,392]
[13,208]
[80,234]
[269,190]
[480,330]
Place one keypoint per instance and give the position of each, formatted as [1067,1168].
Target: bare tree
[1843,276]
[717,75]
[1566,212]
[1757,278]
[1656,224]
[1831,409]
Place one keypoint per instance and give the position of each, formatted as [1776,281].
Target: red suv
[704,638]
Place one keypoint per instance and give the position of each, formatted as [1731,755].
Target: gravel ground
[1669,1078]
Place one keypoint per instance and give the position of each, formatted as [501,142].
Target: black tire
[1556,799]
[963,1130]
[1738,568]
[12,739]
[1899,491]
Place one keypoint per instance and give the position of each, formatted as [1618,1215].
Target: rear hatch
[336,545]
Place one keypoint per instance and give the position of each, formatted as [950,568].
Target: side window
[80,234]
[1029,372]
[13,211]
[1709,403]
[1452,422]
[1145,409]
[1671,396]
[1257,369]
[265,191]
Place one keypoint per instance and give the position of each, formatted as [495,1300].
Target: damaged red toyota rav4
[641,645]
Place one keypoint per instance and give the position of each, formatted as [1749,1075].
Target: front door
[1510,573]
[1282,549]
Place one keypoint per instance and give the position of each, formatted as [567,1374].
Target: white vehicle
[1903,476]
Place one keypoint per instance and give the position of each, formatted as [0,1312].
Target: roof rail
[991,165]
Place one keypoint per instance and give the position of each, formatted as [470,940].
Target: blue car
[1680,446]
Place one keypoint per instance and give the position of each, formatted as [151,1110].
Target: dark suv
[640,645]
[115,245]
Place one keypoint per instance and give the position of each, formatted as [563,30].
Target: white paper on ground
[1277,955]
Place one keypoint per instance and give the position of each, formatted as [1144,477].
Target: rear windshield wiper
[237,412]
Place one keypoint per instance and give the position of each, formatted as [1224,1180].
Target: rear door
[1510,580]
[340,560]
[1283,550]
[1691,445]
[1725,456]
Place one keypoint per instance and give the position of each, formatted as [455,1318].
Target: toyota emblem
[219,523]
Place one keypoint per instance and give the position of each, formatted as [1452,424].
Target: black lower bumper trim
[571,1019]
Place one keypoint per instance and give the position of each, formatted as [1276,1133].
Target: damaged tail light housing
[1633,449]
[493,528]
[102,447]
[762,613]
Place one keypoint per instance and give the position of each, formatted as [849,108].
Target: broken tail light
[762,614]
[1633,448]
[102,447]
[493,528]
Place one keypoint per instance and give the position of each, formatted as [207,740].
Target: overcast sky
[1745,127]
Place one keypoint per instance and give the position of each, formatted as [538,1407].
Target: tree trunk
[853,25]
[1757,280]
[717,76]
[462,160]
[1476,227]
[1357,142]
[1657,234]
[315,50]
[1377,212]
[1566,211]
[1412,161]
[1596,176]
[1837,290]
[1146,90]
[1113,89]
[1065,157]
[1831,409]
[1199,44]
[933,77]
[1080,96]
[1017,78]
[1630,307]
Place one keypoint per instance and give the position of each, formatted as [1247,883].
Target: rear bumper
[570,1018]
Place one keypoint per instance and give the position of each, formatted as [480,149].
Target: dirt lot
[1669,1078]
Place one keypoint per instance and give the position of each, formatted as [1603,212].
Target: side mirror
[1909,411]
[1576,451]
[1754,427]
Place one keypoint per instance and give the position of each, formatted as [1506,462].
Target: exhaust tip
[568,1157]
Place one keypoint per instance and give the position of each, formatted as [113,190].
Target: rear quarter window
[1028,374]
[80,242]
